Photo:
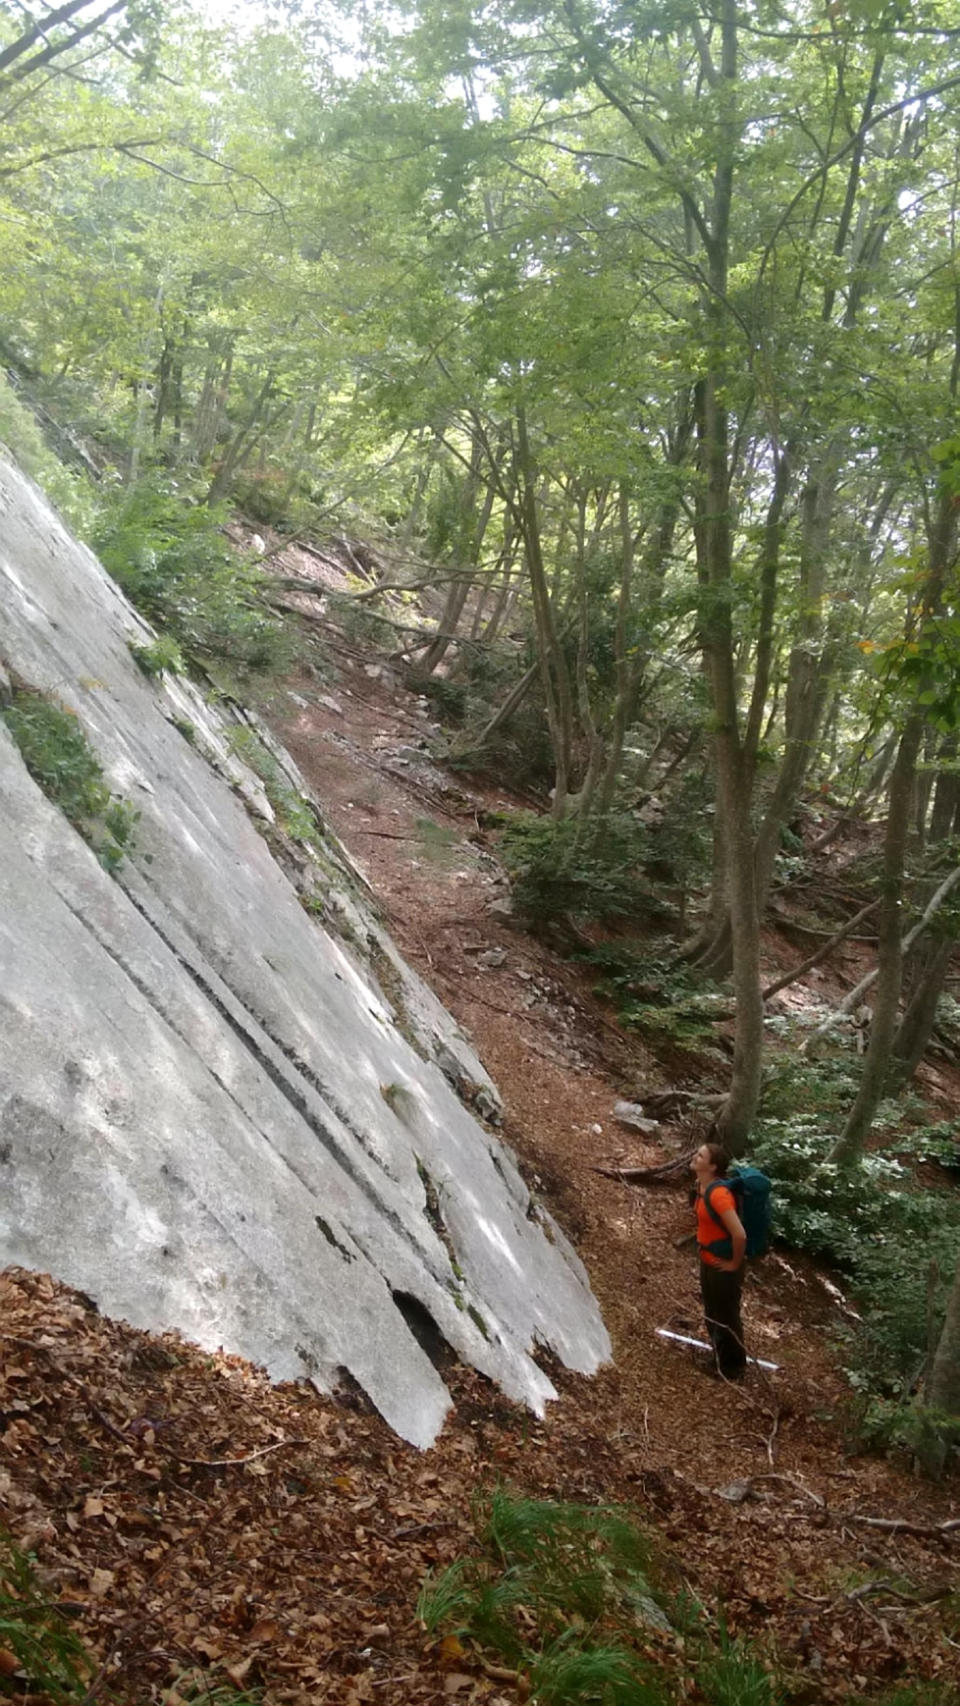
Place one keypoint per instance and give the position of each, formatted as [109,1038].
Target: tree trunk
[943,1394]
[808,672]
[243,444]
[464,557]
[553,666]
[946,797]
[714,541]
[915,1027]
[849,1145]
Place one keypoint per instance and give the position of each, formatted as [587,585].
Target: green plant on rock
[60,759]
[557,1590]
[293,812]
[159,655]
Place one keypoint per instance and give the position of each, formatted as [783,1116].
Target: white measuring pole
[699,1345]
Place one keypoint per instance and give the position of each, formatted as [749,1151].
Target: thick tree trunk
[715,552]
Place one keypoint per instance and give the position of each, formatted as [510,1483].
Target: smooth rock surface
[216,1112]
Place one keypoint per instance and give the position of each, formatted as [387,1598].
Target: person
[722,1250]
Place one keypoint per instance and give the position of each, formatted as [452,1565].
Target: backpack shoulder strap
[714,1216]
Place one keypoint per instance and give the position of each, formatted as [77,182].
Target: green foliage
[736,1677]
[567,1672]
[170,556]
[294,814]
[920,1694]
[448,698]
[438,842]
[58,756]
[882,1227]
[120,821]
[795,1083]
[68,491]
[558,870]
[890,1424]
[658,995]
[50,1654]
[360,622]
[557,1590]
[160,654]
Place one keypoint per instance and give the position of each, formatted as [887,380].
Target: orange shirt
[708,1232]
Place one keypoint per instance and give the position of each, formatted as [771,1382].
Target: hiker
[722,1243]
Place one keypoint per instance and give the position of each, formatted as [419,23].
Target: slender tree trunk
[946,797]
[553,666]
[876,1062]
[943,1393]
[914,1030]
[242,445]
[467,544]
[807,676]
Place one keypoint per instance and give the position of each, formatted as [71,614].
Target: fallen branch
[900,1525]
[850,1000]
[664,1174]
[237,1462]
[820,953]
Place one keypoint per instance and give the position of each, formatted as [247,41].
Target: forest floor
[295,1573]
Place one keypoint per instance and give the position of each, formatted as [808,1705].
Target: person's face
[702,1167]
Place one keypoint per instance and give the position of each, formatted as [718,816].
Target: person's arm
[738,1238]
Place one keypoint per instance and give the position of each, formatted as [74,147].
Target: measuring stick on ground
[699,1345]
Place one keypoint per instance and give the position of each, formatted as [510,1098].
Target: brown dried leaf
[265,1629]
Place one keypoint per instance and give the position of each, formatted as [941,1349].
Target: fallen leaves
[197,1521]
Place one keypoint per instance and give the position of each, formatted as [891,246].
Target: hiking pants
[721,1306]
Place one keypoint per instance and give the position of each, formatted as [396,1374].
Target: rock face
[218,1113]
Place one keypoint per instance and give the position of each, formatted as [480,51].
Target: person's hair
[718,1155]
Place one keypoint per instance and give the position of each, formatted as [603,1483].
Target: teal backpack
[751,1192]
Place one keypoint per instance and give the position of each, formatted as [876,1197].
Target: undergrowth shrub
[652,993]
[58,756]
[557,871]
[882,1227]
[736,1677]
[70,491]
[360,622]
[447,698]
[559,1591]
[172,559]
[50,1656]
